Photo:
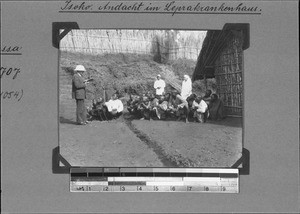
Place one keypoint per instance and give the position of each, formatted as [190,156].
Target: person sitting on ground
[114,107]
[132,104]
[129,103]
[154,106]
[216,108]
[139,108]
[168,111]
[179,105]
[96,112]
[199,108]
[190,101]
[151,97]
[144,108]
[207,96]
[100,112]
[162,108]
[90,113]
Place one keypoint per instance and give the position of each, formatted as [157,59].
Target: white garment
[186,88]
[201,107]
[115,105]
[159,85]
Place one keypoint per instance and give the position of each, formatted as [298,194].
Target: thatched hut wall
[221,58]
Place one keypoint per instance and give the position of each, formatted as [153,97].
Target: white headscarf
[186,88]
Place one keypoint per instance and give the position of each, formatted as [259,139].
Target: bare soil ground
[140,143]
[195,144]
[105,144]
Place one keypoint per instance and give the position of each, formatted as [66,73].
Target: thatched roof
[213,44]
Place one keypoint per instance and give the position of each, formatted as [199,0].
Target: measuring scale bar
[195,180]
[156,187]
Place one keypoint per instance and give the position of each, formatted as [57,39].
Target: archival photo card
[152,97]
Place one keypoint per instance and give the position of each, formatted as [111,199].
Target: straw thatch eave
[214,42]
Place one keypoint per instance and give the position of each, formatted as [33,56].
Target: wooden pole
[205,80]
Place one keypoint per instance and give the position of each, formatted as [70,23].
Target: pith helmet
[80,68]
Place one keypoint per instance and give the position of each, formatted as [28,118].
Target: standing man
[159,85]
[79,94]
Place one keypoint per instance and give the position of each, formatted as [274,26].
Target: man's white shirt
[201,107]
[115,105]
[159,85]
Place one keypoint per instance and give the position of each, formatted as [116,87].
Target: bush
[182,67]
[199,86]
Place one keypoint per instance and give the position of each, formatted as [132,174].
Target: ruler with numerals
[91,179]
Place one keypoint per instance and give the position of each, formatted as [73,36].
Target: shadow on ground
[64,120]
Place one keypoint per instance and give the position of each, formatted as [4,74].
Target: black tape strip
[144,174]
[111,174]
[202,174]
[161,174]
[129,174]
[178,174]
[228,175]
[127,183]
[79,174]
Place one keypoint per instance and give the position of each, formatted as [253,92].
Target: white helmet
[80,68]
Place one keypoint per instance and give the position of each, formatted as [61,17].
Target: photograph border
[61,165]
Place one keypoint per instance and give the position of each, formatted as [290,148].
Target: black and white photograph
[152,97]
[149,106]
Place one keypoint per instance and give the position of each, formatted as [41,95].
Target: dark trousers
[80,111]
[111,116]
[145,113]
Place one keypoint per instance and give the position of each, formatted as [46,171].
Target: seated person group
[168,106]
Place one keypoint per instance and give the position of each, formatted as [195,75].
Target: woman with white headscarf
[186,88]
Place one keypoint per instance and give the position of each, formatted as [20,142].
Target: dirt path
[153,145]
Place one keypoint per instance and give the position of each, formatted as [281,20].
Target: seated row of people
[168,106]
[172,105]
